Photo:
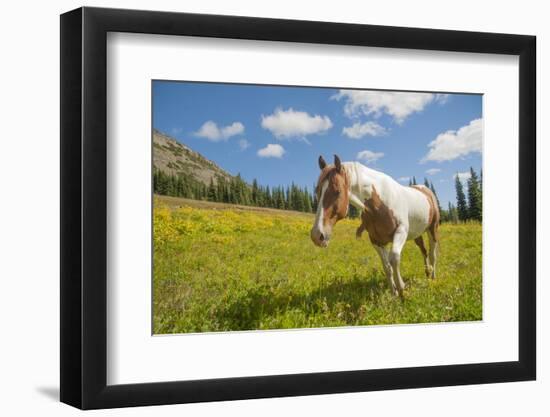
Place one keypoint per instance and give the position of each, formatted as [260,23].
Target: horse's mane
[378,175]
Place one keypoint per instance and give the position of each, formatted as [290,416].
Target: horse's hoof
[429,272]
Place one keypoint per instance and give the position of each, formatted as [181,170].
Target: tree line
[235,190]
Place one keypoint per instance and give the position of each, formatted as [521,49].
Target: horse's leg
[383,253]
[420,243]
[433,234]
[399,239]
[360,231]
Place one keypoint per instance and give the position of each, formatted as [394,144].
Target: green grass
[220,267]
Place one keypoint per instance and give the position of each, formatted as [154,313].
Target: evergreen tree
[212,195]
[298,200]
[180,184]
[267,196]
[453,216]
[288,199]
[237,195]
[443,216]
[426,183]
[314,205]
[220,189]
[474,197]
[226,194]
[461,206]
[254,196]
[353,212]
[280,198]
[414,180]
[410,182]
[169,185]
[155,180]
[307,201]
[261,197]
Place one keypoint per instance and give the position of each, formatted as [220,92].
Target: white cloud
[453,144]
[399,105]
[212,132]
[369,156]
[404,179]
[244,144]
[272,150]
[287,124]
[233,129]
[462,176]
[358,130]
[432,171]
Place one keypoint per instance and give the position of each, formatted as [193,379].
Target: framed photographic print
[257,208]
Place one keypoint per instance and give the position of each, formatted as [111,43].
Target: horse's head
[332,200]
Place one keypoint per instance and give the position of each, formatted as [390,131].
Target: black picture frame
[84,207]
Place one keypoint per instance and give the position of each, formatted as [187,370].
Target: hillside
[174,158]
[182,172]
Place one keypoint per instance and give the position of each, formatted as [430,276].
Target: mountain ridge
[175,158]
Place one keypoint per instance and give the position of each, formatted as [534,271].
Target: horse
[391,213]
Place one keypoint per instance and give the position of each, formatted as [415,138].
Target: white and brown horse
[391,213]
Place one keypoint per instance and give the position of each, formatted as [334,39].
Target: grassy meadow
[221,267]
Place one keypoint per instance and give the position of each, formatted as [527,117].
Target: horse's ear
[322,163]
[337,163]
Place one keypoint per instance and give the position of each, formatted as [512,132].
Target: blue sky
[275,134]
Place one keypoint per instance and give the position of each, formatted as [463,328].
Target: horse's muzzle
[319,239]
